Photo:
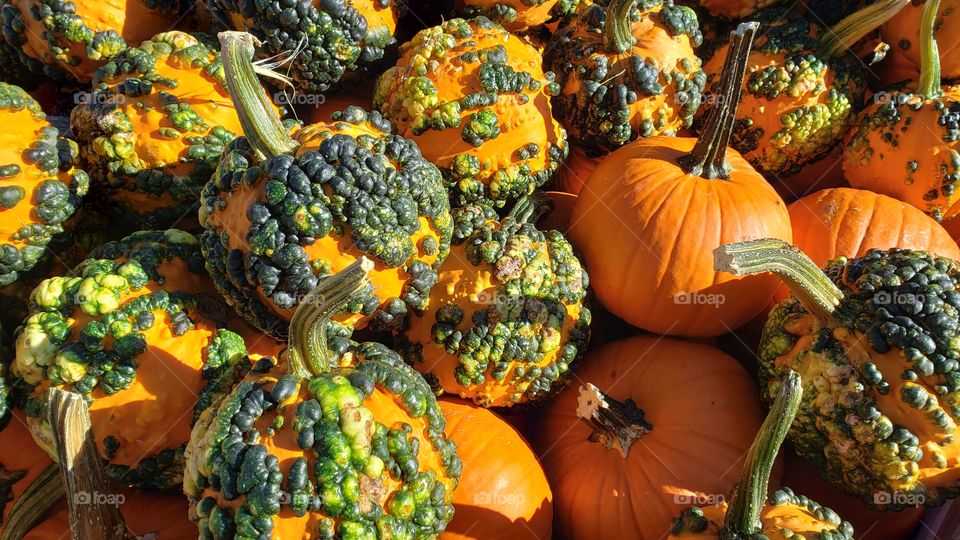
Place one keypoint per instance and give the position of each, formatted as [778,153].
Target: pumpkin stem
[307,353]
[743,516]
[707,158]
[260,122]
[929,85]
[92,503]
[45,490]
[616,424]
[814,289]
[838,39]
[532,207]
[618,20]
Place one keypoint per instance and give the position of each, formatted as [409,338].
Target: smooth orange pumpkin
[704,411]
[503,493]
[574,171]
[902,32]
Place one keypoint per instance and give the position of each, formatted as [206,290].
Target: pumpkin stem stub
[83,476]
[32,504]
[929,85]
[743,516]
[531,208]
[618,20]
[616,424]
[838,39]
[307,353]
[815,290]
[707,158]
[261,125]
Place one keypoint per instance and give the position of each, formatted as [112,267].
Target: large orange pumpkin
[698,413]
[650,215]
[503,493]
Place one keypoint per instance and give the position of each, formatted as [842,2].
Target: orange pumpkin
[736,9]
[700,411]
[650,215]
[503,493]
[21,463]
[575,171]
[517,16]
[558,218]
[903,33]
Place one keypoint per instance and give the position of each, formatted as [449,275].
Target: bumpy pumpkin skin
[608,99]
[342,455]
[340,35]
[505,323]
[69,40]
[273,229]
[517,16]
[908,147]
[21,462]
[154,128]
[476,101]
[503,493]
[136,329]
[786,516]
[647,230]
[39,187]
[695,396]
[796,106]
[902,32]
[878,414]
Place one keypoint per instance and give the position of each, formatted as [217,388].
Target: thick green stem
[94,506]
[307,353]
[707,158]
[32,504]
[532,207]
[743,516]
[929,85]
[851,29]
[259,120]
[615,424]
[617,34]
[814,289]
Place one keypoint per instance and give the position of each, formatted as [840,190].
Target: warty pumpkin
[751,513]
[503,493]
[41,187]
[663,422]
[137,331]
[904,33]
[905,145]
[323,41]
[506,321]
[803,87]
[67,40]
[626,70]
[649,216]
[152,131]
[875,341]
[477,102]
[283,210]
[346,442]
[517,16]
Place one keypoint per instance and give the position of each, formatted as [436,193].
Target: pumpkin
[649,216]
[664,422]
[323,41]
[736,9]
[821,174]
[67,40]
[137,329]
[477,102]
[875,342]
[517,16]
[153,129]
[575,170]
[751,513]
[626,72]
[905,145]
[558,218]
[29,483]
[320,108]
[506,323]
[503,493]
[347,442]
[904,33]
[802,90]
[283,209]
[41,188]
